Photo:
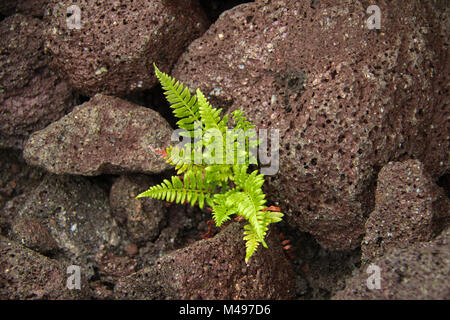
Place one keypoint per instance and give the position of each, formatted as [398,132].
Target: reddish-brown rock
[419,272]
[16,177]
[31,7]
[27,275]
[33,234]
[31,96]
[104,135]
[346,99]
[118,41]
[435,160]
[214,269]
[112,266]
[409,208]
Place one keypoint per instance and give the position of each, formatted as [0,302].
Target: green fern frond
[251,241]
[183,159]
[227,188]
[183,104]
[210,116]
[240,121]
[246,200]
[222,212]
[240,174]
[219,173]
[193,190]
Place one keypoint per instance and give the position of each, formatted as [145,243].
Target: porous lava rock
[31,95]
[71,211]
[104,135]
[142,218]
[409,208]
[29,7]
[418,272]
[346,99]
[112,47]
[27,275]
[214,269]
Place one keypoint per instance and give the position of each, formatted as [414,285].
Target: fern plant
[203,177]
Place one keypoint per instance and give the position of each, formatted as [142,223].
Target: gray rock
[75,212]
[104,135]
[142,218]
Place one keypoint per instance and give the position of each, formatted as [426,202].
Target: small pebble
[131,249]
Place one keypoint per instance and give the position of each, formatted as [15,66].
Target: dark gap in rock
[214,8]
[367,197]
[109,285]
[104,181]
[82,99]
[96,276]
[154,99]
[444,183]
[314,4]
[320,273]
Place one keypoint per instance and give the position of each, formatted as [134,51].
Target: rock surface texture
[104,135]
[142,218]
[73,215]
[30,7]
[113,49]
[25,274]
[345,98]
[362,177]
[16,177]
[414,273]
[409,208]
[31,95]
[214,269]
